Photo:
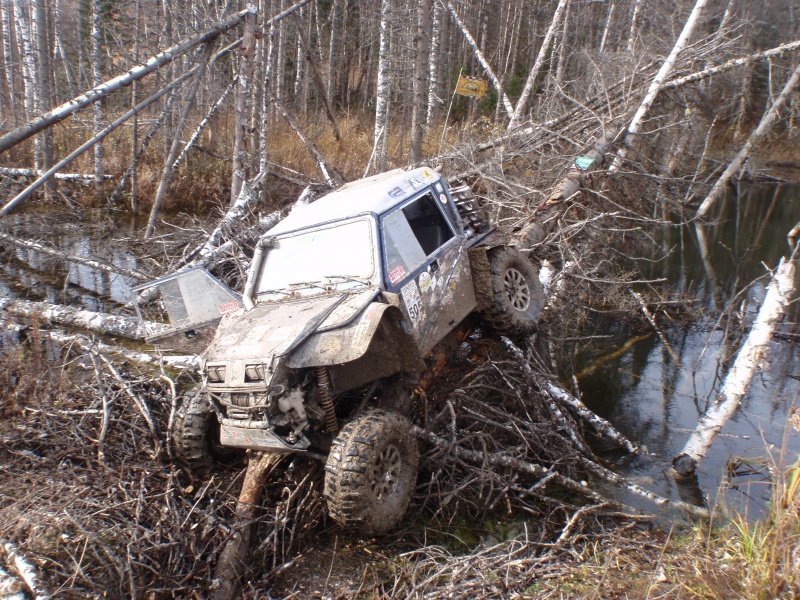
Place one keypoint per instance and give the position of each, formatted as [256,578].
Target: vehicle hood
[278,328]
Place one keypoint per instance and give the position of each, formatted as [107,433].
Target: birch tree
[243,105]
[758,134]
[97,79]
[383,88]
[537,65]
[657,83]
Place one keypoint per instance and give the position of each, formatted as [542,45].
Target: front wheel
[195,435]
[518,295]
[371,472]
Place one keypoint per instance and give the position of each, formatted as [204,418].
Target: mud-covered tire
[371,472]
[195,435]
[517,292]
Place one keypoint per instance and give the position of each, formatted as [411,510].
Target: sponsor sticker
[443,198]
[424,281]
[412,300]
[428,175]
[228,307]
[396,193]
[397,274]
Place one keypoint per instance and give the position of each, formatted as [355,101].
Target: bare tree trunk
[481,58]
[44,89]
[744,367]
[135,123]
[537,65]
[637,8]
[333,48]
[112,85]
[28,191]
[434,100]
[657,83]
[422,45]
[607,28]
[97,79]
[169,165]
[562,49]
[332,178]
[317,78]
[243,107]
[8,57]
[758,134]
[383,88]
[28,62]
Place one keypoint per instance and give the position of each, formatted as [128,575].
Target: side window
[413,233]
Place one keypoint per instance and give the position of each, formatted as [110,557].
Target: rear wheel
[371,472]
[518,295]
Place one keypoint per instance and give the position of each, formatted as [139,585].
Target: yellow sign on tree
[471,86]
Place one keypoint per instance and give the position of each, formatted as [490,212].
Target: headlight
[216,374]
[253,373]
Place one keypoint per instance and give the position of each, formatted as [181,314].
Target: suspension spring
[326,399]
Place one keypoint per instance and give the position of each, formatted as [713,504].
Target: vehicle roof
[375,194]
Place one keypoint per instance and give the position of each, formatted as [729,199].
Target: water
[657,401]
[33,275]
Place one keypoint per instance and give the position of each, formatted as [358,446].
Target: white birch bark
[562,49]
[383,87]
[68,316]
[203,124]
[28,62]
[62,112]
[21,172]
[758,134]
[434,100]
[27,571]
[657,83]
[43,89]
[28,191]
[737,382]
[537,65]
[243,105]
[97,79]
[509,108]
[5,11]
[731,64]
[607,28]
[95,264]
[637,8]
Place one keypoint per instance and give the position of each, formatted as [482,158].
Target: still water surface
[657,401]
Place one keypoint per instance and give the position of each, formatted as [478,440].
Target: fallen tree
[737,381]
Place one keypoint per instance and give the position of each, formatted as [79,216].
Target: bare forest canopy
[286,94]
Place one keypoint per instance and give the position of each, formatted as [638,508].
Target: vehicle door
[181,312]
[426,263]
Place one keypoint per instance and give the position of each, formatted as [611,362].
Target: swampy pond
[656,400]
[631,379]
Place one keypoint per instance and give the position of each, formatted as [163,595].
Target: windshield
[340,255]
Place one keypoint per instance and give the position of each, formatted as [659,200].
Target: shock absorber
[326,399]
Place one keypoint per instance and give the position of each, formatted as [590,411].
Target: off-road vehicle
[344,300]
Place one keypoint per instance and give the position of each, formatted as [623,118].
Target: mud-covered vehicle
[344,300]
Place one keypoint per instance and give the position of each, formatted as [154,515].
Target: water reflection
[657,401]
[28,273]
